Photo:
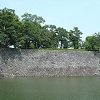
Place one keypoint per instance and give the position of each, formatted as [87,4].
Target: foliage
[74,37]
[92,42]
[62,36]
[31,33]
[9,27]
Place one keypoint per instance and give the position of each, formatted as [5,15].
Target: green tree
[32,18]
[97,35]
[92,42]
[30,35]
[44,38]
[62,37]
[9,27]
[31,26]
[52,30]
[75,38]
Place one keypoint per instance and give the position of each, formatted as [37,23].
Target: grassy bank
[62,49]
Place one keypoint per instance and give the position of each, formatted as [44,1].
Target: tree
[92,42]
[30,32]
[62,37]
[32,18]
[30,35]
[9,27]
[45,40]
[31,26]
[52,30]
[75,37]
[97,35]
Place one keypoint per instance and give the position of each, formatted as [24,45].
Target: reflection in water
[64,88]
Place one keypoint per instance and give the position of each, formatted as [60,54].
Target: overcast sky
[84,14]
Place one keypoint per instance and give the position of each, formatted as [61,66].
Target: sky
[84,14]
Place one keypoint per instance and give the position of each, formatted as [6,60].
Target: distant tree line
[30,32]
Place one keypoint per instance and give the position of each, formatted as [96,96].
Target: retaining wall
[48,63]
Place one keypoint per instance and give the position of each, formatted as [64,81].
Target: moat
[50,88]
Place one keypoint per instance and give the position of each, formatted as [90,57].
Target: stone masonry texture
[48,63]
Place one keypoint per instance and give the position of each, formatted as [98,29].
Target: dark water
[67,88]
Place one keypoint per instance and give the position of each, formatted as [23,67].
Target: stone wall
[48,63]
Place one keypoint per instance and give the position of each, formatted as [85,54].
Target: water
[64,88]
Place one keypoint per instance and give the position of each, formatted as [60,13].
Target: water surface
[52,88]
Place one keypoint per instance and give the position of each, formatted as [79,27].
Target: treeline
[30,32]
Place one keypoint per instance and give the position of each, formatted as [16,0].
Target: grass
[62,49]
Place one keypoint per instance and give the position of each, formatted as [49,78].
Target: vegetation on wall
[31,32]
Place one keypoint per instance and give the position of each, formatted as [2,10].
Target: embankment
[48,63]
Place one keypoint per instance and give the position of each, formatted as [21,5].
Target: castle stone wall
[48,63]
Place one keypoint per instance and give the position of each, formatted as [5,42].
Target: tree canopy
[31,32]
[92,42]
